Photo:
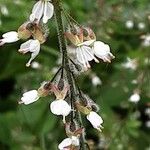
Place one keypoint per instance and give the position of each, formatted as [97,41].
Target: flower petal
[25,47]
[10,37]
[48,11]
[102,51]
[30,97]
[37,11]
[95,119]
[75,141]
[60,107]
[65,143]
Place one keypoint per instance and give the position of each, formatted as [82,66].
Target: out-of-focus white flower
[129,24]
[42,9]
[134,81]
[32,46]
[147,111]
[66,143]
[141,25]
[35,65]
[146,40]
[102,51]
[9,37]
[29,97]
[147,124]
[95,120]
[130,64]
[96,80]
[135,97]
[4,10]
[60,107]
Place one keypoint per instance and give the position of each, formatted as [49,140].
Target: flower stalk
[65,60]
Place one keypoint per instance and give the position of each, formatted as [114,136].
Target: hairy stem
[65,61]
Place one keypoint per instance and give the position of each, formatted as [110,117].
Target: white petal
[88,53]
[30,97]
[10,37]
[75,141]
[95,119]
[25,47]
[35,49]
[11,33]
[34,45]
[101,49]
[80,56]
[134,98]
[32,93]
[37,11]
[60,107]
[66,142]
[48,11]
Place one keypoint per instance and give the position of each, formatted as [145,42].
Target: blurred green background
[125,26]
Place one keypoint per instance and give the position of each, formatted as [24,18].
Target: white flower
[147,124]
[29,97]
[35,65]
[146,40]
[141,25]
[129,24]
[95,120]
[147,111]
[64,145]
[9,37]
[60,107]
[96,80]
[130,64]
[102,51]
[32,46]
[42,9]
[85,54]
[4,10]
[134,98]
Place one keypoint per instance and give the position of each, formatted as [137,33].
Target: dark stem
[65,61]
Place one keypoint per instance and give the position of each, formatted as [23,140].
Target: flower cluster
[69,100]
[86,47]
[32,28]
